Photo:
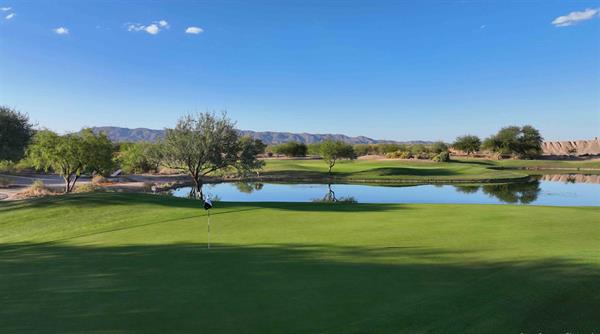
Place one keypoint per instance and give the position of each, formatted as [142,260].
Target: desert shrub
[98,179]
[442,157]
[438,147]
[36,189]
[291,149]
[361,149]
[87,188]
[7,166]
[399,155]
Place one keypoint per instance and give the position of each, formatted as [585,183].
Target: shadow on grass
[112,199]
[395,171]
[288,288]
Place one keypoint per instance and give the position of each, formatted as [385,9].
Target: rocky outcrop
[571,178]
[573,148]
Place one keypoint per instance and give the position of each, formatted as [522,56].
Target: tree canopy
[291,149]
[205,143]
[524,142]
[140,157]
[15,134]
[333,150]
[467,143]
[71,155]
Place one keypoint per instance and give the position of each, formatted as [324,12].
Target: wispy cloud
[10,16]
[61,31]
[194,30]
[5,9]
[153,28]
[574,17]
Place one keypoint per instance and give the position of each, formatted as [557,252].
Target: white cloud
[5,9]
[153,28]
[194,30]
[61,31]
[574,17]
[10,16]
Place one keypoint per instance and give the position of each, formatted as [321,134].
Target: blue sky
[386,69]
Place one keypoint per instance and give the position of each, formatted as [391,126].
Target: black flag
[207,204]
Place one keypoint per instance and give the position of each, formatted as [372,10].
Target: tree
[71,155]
[139,157]
[292,149]
[332,150]
[15,134]
[206,143]
[467,143]
[439,147]
[525,142]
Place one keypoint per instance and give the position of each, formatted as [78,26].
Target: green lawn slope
[123,263]
[387,171]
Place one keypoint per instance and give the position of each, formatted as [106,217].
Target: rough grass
[118,263]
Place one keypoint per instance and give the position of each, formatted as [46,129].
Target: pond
[545,190]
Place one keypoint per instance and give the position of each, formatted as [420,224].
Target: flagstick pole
[208,244]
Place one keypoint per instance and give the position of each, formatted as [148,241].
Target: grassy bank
[573,165]
[387,171]
[139,263]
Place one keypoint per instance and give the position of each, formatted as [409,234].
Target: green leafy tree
[15,134]
[206,143]
[332,151]
[361,149]
[524,142]
[467,143]
[71,155]
[292,149]
[139,157]
[438,147]
[314,149]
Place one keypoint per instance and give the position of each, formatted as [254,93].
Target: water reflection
[248,187]
[537,192]
[330,197]
[523,193]
[571,178]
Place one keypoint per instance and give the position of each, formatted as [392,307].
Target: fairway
[117,263]
[389,171]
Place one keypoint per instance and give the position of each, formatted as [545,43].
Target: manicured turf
[118,263]
[388,171]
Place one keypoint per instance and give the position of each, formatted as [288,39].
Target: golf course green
[389,171]
[124,263]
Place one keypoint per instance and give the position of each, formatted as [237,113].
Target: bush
[442,157]
[399,155]
[7,166]
[87,188]
[291,149]
[98,179]
[438,147]
[36,189]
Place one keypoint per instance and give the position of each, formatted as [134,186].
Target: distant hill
[117,134]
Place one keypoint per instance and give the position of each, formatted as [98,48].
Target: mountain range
[118,134]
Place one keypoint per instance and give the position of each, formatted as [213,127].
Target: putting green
[118,263]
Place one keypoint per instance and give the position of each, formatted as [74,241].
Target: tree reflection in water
[523,193]
[248,187]
[330,197]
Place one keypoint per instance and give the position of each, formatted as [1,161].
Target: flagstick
[208,244]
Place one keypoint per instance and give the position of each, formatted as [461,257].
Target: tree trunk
[198,186]
[67,183]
